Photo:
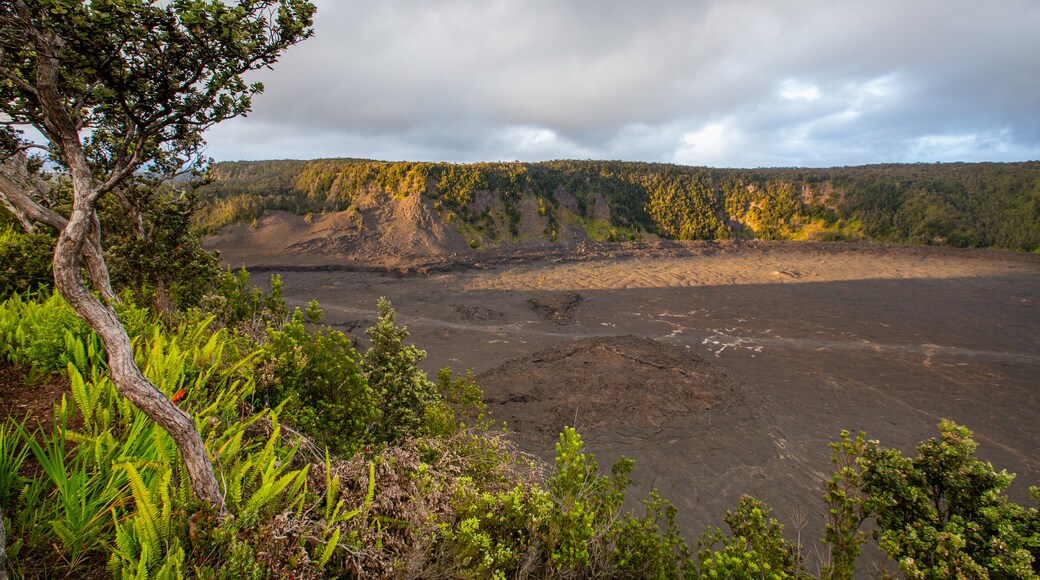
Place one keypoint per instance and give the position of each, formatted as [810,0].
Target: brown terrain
[722,368]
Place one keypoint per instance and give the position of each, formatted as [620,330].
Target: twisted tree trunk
[112,97]
[127,377]
[80,243]
[15,186]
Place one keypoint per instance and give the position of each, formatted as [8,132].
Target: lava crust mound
[603,383]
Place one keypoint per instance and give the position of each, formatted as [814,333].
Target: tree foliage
[943,513]
[25,259]
[391,368]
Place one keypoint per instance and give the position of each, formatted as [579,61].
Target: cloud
[805,82]
[792,90]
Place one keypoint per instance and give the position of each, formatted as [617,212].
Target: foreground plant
[109,488]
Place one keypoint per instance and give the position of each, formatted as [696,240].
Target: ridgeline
[995,205]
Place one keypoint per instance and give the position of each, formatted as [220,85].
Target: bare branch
[14,181]
[28,146]
[124,169]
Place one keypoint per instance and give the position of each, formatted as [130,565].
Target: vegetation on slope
[964,205]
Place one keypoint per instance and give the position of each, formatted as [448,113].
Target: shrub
[314,372]
[25,261]
[460,405]
[238,305]
[402,389]
[943,512]
[847,507]
[651,546]
[46,335]
[585,506]
[495,534]
[755,547]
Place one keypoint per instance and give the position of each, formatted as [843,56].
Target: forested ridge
[956,204]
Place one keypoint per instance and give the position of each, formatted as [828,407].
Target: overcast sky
[725,83]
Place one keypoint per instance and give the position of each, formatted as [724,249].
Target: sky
[722,83]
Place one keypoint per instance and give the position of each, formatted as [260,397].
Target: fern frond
[146,522]
[371,494]
[270,490]
[330,548]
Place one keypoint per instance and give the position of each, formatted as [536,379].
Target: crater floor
[738,363]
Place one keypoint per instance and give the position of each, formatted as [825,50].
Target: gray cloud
[716,82]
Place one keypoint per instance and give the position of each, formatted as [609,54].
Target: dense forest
[959,204]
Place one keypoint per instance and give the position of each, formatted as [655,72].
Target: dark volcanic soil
[751,357]
[590,383]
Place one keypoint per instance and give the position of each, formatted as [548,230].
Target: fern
[76,351]
[332,506]
[147,523]
[146,546]
[271,489]
[85,398]
[371,494]
[330,548]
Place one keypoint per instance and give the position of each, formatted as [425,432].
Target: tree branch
[13,183]
[13,186]
[21,216]
[22,83]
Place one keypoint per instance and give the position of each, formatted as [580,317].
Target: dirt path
[803,340]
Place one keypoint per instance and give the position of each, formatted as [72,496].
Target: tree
[392,370]
[151,219]
[118,88]
[943,513]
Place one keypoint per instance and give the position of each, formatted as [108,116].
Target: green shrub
[847,508]
[25,261]
[495,532]
[943,512]
[755,547]
[585,506]
[46,335]
[460,405]
[346,401]
[238,305]
[651,546]
[402,390]
[315,373]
